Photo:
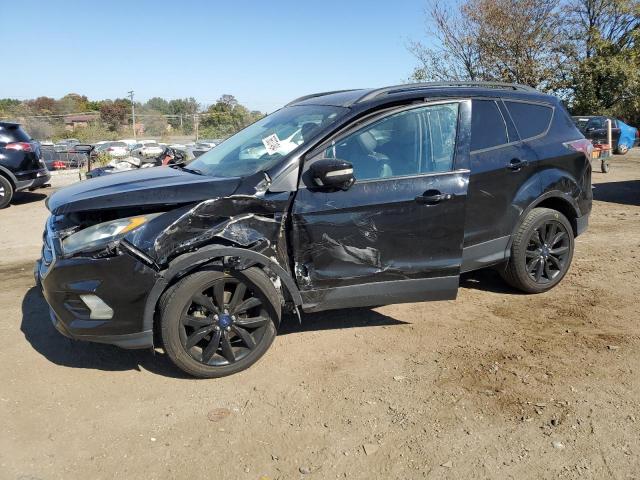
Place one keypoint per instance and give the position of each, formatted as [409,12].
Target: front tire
[214,324]
[541,251]
[6,192]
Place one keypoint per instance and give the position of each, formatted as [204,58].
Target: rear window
[531,119]
[13,133]
[118,144]
[488,128]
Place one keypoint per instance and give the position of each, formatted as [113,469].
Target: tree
[72,103]
[226,117]
[114,113]
[42,105]
[493,40]
[158,104]
[605,75]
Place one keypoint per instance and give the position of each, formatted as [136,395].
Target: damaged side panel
[249,221]
[379,232]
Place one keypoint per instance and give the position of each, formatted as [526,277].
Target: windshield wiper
[186,169]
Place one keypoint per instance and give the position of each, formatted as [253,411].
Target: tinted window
[531,120]
[420,140]
[487,125]
[13,133]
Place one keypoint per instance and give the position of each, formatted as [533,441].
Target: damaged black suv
[340,199]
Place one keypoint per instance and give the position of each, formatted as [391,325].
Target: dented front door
[396,235]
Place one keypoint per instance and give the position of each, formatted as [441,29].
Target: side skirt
[381,293]
[485,254]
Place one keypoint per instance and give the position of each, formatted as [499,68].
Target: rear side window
[13,133]
[531,119]
[488,128]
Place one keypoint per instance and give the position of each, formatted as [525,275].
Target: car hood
[140,187]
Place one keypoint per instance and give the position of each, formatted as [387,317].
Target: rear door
[498,168]
[396,234]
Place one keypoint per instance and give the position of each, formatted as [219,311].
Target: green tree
[72,103]
[605,75]
[226,117]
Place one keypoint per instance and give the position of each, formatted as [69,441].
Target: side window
[488,128]
[531,119]
[420,140]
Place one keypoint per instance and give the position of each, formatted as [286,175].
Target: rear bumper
[34,180]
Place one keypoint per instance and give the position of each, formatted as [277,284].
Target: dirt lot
[493,385]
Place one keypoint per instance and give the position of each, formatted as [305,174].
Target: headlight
[99,235]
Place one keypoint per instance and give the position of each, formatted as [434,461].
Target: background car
[66,144]
[21,163]
[594,128]
[146,148]
[205,145]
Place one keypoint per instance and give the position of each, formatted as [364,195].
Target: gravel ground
[493,385]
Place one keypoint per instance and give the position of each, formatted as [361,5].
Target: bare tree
[505,40]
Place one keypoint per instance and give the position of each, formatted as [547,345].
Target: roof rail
[314,95]
[421,86]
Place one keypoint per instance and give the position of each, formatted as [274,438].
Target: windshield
[262,144]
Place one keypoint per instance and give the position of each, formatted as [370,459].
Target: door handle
[431,197]
[516,164]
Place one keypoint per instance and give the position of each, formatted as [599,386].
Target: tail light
[110,149]
[57,165]
[583,145]
[24,146]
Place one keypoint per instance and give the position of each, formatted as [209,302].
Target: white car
[147,148]
[115,149]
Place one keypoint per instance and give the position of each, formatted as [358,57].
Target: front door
[396,235]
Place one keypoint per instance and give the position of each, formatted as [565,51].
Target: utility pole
[195,121]
[133,114]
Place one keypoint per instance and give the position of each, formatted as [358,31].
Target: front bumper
[121,281]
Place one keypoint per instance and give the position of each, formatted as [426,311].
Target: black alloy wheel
[223,323]
[216,324]
[541,251]
[547,252]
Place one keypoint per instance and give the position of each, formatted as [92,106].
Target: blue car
[594,128]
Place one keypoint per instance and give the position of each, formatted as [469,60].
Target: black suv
[21,164]
[340,199]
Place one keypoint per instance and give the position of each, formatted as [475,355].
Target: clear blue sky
[263,52]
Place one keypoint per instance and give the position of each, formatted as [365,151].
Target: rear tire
[541,251]
[6,192]
[215,324]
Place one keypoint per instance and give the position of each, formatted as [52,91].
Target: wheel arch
[232,258]
[5,172]
[563,205]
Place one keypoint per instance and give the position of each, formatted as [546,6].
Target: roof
[8,124]
[349,98]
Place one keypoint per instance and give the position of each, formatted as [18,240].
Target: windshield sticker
[271,143]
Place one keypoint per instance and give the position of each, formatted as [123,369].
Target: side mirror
[332,173]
